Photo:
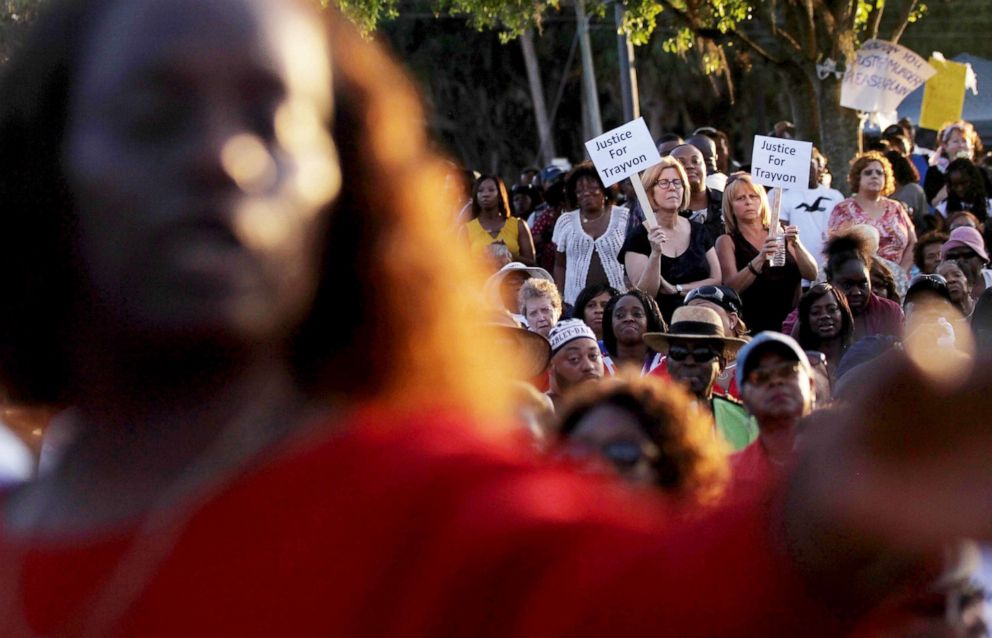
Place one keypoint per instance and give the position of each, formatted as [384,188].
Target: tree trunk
[594,122]
[803,103]
[547,148]
[839,126]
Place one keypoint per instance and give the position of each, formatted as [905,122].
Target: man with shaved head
[714,178]
[705,204]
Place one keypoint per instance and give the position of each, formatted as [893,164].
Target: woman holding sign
[768,293]
[675,255]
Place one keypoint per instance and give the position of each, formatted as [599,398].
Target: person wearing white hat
[778,389]
[697,349]
[575,358]
[502,289]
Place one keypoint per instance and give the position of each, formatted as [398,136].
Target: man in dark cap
[779,389]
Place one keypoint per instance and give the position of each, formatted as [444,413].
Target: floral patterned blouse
[894,226]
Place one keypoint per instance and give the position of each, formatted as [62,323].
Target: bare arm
[526,241]
[644,271]
[559,273]
[808,267]
[907,255]
[740,280]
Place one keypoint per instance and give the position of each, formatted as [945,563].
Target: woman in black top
[768,293]
[675,256]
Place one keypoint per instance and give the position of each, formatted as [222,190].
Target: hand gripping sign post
[624,152]
[779,163]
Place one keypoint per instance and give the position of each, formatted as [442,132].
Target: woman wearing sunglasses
[650,434]
[871,181]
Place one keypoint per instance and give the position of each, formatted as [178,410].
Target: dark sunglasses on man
[699,353]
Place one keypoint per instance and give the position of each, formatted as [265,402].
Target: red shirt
[418,527]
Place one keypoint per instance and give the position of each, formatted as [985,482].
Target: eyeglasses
[674,184]
[700,354]
[873,171]
[781,371]
[715,295]
[624,454]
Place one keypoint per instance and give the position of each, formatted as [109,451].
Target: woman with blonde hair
[957,140]
[675,255]
[768,293]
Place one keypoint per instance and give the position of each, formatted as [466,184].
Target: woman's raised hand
[656,237]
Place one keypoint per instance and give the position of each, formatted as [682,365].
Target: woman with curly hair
[871,181]
[625,320]
[651,433]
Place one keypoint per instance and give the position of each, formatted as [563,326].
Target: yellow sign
[943,94]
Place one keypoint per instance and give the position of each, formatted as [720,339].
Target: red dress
[419,529]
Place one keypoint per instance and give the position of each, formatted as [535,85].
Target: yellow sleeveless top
[479,237]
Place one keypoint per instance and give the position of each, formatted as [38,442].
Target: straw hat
[529,352]
[694,323]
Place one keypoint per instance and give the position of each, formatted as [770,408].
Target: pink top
[893,226]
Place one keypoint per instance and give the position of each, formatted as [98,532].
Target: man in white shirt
[809,209]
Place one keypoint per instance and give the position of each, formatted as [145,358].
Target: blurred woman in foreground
[651,433]
[194,186]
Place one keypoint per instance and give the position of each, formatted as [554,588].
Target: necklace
[589,220]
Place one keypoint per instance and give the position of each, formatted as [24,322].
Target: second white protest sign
[780,162]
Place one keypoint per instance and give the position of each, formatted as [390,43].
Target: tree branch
[757,48]
[794,20]
[875,18]
[810,24]
[903,21]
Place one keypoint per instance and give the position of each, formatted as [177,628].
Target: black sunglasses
[701,354]
[625,455]
[715,295]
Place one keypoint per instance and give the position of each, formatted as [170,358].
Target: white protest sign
[881,76]
[624,152]
[780,162]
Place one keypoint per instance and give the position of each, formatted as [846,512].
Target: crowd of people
[272,386]
[679,304]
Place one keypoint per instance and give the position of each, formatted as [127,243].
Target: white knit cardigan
[578,247]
